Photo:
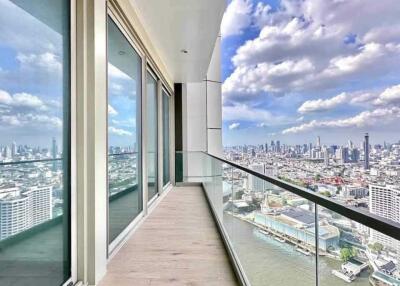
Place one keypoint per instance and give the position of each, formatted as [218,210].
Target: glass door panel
[124,92]
[166,155]
[35,246]
[151,142]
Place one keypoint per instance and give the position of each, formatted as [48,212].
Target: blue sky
[292,70]
[121,108]
[31,79]
[296,69]
[31,84]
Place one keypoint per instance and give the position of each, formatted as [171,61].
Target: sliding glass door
[35,225]
[166,141]
[151,128]
[124,93]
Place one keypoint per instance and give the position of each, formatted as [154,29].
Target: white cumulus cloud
[322,104]
[23,99]
[389,96]
[119,131]
[265,77]
[233,126]
[31,120]
[315,45]
[378,116]
[46,61]
[112,111]
[236,18]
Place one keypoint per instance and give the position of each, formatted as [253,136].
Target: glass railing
[34,222]
[123,191]
[31,194]
[281,234]
[122,173]
[32,206]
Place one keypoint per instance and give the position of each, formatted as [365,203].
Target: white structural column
[214,102]
[202,116]
[91,140]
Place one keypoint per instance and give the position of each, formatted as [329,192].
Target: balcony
[282,234]
[177,244]
[111,158]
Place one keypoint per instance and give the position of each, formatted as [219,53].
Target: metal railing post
[316,224]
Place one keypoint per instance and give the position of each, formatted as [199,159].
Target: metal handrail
[30,161]
[370,220]
[54,159]
[121,154]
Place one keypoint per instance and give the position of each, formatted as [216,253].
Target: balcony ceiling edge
[183,32]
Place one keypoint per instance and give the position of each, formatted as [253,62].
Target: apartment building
[384,201]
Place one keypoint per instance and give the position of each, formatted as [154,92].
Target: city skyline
[344,141]
[297,69]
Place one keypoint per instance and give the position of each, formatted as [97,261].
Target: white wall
[214,102]
[202,115]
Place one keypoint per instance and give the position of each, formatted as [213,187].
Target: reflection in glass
[124,78]
[151,135]
[166,162]
[34,143]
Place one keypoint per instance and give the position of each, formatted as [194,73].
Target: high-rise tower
[366,151]
[384,201]
[54,151]
[13,149]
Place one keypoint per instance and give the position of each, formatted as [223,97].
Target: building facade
[22,210]
[384,201]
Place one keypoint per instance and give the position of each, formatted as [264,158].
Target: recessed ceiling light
[184,51]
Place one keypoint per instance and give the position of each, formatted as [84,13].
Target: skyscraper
[7,152]
[318,142]
[342,154]
[54,148]
[326,156]
[384,201]
[13,149]
[21,210]
[257,184]
[54,151]
[350,144]
[355,155]
[366,151]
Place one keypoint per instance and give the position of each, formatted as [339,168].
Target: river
[270,262]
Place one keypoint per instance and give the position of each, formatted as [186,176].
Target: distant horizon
[357,143]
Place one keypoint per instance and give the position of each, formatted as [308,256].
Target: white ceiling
[173,25]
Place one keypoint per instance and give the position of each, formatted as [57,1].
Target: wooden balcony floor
[178,244]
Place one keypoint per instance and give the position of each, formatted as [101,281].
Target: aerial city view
[31,187]
[31,183]
[311,97]
[364,176]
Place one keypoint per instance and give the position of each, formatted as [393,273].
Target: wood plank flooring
[178,244]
